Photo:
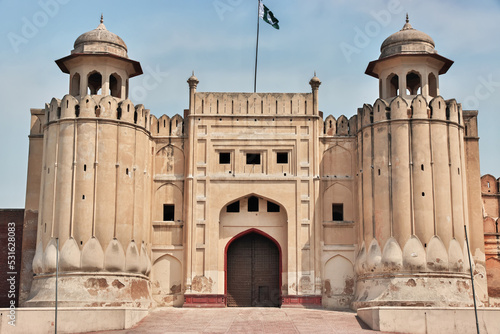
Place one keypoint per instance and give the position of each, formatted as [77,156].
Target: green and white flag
[267,15]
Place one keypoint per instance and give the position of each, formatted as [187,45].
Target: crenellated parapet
[167,127]
[340,127]
[96,107]
[275,104]
[398,108]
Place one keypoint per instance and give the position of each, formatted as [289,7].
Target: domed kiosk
[99,64]
[408,65]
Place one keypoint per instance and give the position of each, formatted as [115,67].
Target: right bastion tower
[414,185]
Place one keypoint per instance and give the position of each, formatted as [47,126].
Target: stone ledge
[36,320]
[201,300]
[307,301]
[421,320]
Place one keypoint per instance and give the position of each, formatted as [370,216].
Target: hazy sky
[216,39]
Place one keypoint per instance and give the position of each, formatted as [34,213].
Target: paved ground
[248,320]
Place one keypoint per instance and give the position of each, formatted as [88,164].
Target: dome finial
[101,25]
[407,24]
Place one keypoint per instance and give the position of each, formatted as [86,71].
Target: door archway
[253,270]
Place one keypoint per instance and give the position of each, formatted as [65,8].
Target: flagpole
[256,48]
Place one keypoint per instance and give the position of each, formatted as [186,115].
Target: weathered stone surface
[91,290]
[70,256]
[92,256]
[437,255]
[392,257]
[414,257]
[114,257]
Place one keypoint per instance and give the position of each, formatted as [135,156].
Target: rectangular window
[271,207]
[253,158]
[282,157]
[253,204]
[233,207]
[224,158]
[168,212]
[338,212]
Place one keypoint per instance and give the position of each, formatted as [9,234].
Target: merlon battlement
[253,103]
[399,109]
[96,106]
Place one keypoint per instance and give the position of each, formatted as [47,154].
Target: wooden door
[253,272]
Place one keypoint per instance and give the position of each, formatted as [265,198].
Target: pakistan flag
[267,15]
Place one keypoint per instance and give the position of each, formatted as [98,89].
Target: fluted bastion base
[91,289]
[413,289]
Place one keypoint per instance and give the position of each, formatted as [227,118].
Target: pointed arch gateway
[252,270]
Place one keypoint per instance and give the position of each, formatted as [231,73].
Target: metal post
[472,279]
[256,49]
[57,276]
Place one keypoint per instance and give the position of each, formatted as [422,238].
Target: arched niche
[168,194]
[94,83]
[169,160]
[338,194]
[337,161]
[433,85]
[74,88]
[392,84]
[166,278]
[339,277]
[115,85]
[490,226]
[413,83]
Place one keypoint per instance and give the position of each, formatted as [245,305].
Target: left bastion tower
[95,183]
